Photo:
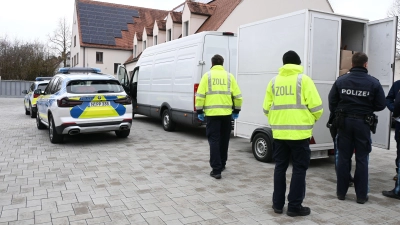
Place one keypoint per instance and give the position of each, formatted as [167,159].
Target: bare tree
[60,40]
[395,11]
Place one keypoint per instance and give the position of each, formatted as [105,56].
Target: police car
[30,98]
[83,100]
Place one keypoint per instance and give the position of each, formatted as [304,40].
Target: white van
[316,37]
[165,79]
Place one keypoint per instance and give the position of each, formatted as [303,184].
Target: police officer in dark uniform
[353,98]
[390,98]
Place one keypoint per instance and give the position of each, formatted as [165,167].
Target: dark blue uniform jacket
[357,93]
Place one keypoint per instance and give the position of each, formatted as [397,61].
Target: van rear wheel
[167,122]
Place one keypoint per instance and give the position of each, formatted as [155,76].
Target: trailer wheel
[262,147]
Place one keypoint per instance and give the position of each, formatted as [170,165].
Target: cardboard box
[345,59]
[342,72]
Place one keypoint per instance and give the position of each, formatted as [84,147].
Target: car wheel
[54,137]
[122,133]
[167,122]
[262,147]
[39,123]
[33,114]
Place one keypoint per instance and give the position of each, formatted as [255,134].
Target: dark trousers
[299,151]
[333,131]
[355,134]
[218,130]
[397,138]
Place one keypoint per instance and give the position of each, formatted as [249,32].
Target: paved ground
[156,177]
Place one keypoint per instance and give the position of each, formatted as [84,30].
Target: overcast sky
[35,19]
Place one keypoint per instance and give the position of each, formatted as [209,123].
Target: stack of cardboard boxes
[345,61]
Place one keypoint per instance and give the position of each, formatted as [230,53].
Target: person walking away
[219,100]
[292,105]
[395,193]
[390,98]
[353,98]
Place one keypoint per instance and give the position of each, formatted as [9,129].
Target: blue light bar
[42,78]
[66,70]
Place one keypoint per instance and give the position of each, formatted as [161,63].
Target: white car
[82,100]
[30,98]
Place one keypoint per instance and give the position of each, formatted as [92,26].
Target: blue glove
[200,116]
[235,116]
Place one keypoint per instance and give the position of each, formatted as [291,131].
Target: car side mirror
[38,92]
[25,92]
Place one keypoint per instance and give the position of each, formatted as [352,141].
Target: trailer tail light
[312,141]
[66,102]
[195,87]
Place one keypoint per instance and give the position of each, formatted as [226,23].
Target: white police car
[30,98]
[82,100]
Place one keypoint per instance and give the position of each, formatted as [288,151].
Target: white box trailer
[165,79]
[316,37]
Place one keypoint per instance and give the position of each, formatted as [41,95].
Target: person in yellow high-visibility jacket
[292,105]
[219,100]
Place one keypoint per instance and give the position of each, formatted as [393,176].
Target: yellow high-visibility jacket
[292,104]
[216,90]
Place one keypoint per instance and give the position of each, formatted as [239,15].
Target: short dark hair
[217,60]
[359,59]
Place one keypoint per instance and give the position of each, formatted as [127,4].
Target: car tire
[167,122]
[122,133]
[54,137]
[39,123]
[33,114]
[262,147]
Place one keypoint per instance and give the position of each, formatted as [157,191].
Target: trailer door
[381,47]
[323,67]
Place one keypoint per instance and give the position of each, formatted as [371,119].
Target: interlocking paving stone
[158,177]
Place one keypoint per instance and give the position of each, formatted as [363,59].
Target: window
[99,57]
[57,87]
[73,61]
[155,40]
[186,28]
[94,86]
[144,45]
[134,51]
[169,35]
[116,67]
[74,40]
[42,86]
[32,87]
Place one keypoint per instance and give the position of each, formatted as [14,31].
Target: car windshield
[93,86]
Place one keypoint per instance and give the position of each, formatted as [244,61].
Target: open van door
[381,47]
[123,78]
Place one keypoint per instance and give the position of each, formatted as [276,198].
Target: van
[166,77]
[325,43]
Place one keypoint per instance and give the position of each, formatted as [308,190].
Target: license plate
[99,104]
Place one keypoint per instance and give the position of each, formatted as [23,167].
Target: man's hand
[200,117]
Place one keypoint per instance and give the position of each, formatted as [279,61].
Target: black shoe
[276,210]
[391,194]
[351,184]
[303,211]
[362,200]
[341,197]
[216,176]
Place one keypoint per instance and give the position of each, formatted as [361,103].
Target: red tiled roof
[149,30]
[201,8]
[176,17]
[223,8]
[146,17]
[131,59]
[162,24]
[139,36]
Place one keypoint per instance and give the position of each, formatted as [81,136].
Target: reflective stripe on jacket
[292,104]
[216,91]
